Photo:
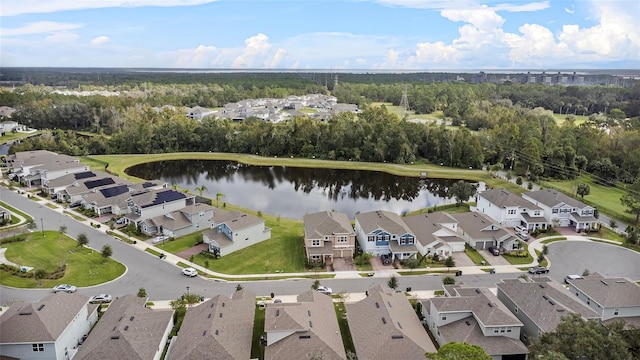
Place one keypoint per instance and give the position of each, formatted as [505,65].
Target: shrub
[449,281]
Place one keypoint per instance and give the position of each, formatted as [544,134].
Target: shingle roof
[482,303]
[42,321]
[235,220]
[503,198]
[319,224]
[299,330]
[468,330]
[218,329]
[479,226]
[127,330]
[385,326]
[609,292]
[385,220]
[551,198]
[424,226]
[543,301]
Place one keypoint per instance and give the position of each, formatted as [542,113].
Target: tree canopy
[459,351]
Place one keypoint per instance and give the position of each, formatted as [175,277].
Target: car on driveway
[159,239]
[324,289]
[538,270]
[522,235]
[386,259]
[100,299]
[571,277]
[64,288]
[191,272]
[494,251]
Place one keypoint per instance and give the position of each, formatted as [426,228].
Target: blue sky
[321,34]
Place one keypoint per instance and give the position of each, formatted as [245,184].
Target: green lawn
[475,256]
[14,210]
[257,349]
[516,260]
[85,267]
[561,119]
[548,241]
[180,244]
[341,312]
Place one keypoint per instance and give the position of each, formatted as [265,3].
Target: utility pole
[42,226]
[404,102]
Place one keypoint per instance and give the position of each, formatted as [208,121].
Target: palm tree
[218,196]
[201,189]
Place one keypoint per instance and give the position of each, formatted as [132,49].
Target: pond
[291,192]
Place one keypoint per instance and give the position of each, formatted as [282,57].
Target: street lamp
[188,301]
[42,226]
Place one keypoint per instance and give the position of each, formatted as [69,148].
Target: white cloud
[483,18]
[361,61]
[255,46]
[570,11]
[202,56]
[100,40]
[276,59]
[18,7]
[39,28]
[62,37]
[464,5]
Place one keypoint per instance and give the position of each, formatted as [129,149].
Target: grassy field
[475,256]
[399,110]
[14,210]
[85,267]
[516,260]
[561,119]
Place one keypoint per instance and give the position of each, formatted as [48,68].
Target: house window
[201,213]
[38,347]
[512,212]
[371,238]
[615,311]
[315,242]
[495,331]
[444,317]
[403,241]
[509,330]
[197,226]
[342,239]
[315,257]
[554,211]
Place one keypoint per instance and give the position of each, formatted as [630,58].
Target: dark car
[386,259]
[538,270]
[494,250]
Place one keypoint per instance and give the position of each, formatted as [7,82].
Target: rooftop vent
[468,323]
[126,328]
[304,336]
[220,314]
[377,305]
[209,317]
[212,304]
[40,307]
[560,310]
[25,312]
[216,332]
[399,325]
[384,321]
[131,318]
[604,282]
[490,304]
[309,312]
[223,304]
[115,337]
[120,318]
[310,323]
[397,336]
[277,312]
[477,291]
[389,303]
[541,285]
[545,297]
[204,333]
[551,302]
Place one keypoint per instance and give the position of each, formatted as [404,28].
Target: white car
[65,288]
[324,289]
[190,272]
[100,299]
[159,239]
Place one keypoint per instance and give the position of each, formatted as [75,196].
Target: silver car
[64,288]
[100,299]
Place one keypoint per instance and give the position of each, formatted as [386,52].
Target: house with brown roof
[51,328]
[305,329]
[328,234]
[219,328]
[234,230]
[481,232]
[562,210]
[612,298]
[511,210]
[540,305]
[128,330]
[384,325]
[436,233]
[475,316]
[385,233]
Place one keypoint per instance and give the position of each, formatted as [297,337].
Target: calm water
[291,192]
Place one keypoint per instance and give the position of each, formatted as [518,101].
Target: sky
[423,35]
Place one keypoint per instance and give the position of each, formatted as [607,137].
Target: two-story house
[50,329]
[562,210]
[612,298]
[305,329]
[540,305]
[481,232]
[384,325]
[181,222]
[383,232]
[128,330]
[219,328]
[436,233]
[511,210]
[477,317]
[151,202]
[234,230]
[328,234]
[33,168]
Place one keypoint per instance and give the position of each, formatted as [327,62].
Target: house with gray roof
[383,232]
[32,168]
[219,328]
[128,330]
[51,328]
[511,210]
[384,325]
[612,298]
[328,234]
[481,232]
[540,305]
[562,210]
[305,329]
[436,233]
[475,316]
[181,222]
[234,230]
[151,202]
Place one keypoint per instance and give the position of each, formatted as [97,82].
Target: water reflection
[291,192]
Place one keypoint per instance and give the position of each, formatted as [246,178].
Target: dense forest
[503,125]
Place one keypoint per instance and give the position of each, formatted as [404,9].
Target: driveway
[376,263]
[343,264]
[462,259]
[492,259]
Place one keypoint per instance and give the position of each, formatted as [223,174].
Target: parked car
[120,221]
[100,299]
[522,235]
[494,250]
[571,277]
[324,290]
[65,288]
[386,259]
[190,272]
[159,239]
[538,270]
[521,229]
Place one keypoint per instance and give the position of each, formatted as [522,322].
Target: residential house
[436,233]
[32,168]
[11,126]
[612,298]
[102,200]
[51,328]
[181,222]
[71,187]
[219,328]
[328,234]
[5,214]
[562,210]
[384,325]
[481,232]
[234,230]
[199,113]
[151,202]
[128,330]
[305,329]
[475,316]
[511,210]
[382,232]
[540,305]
